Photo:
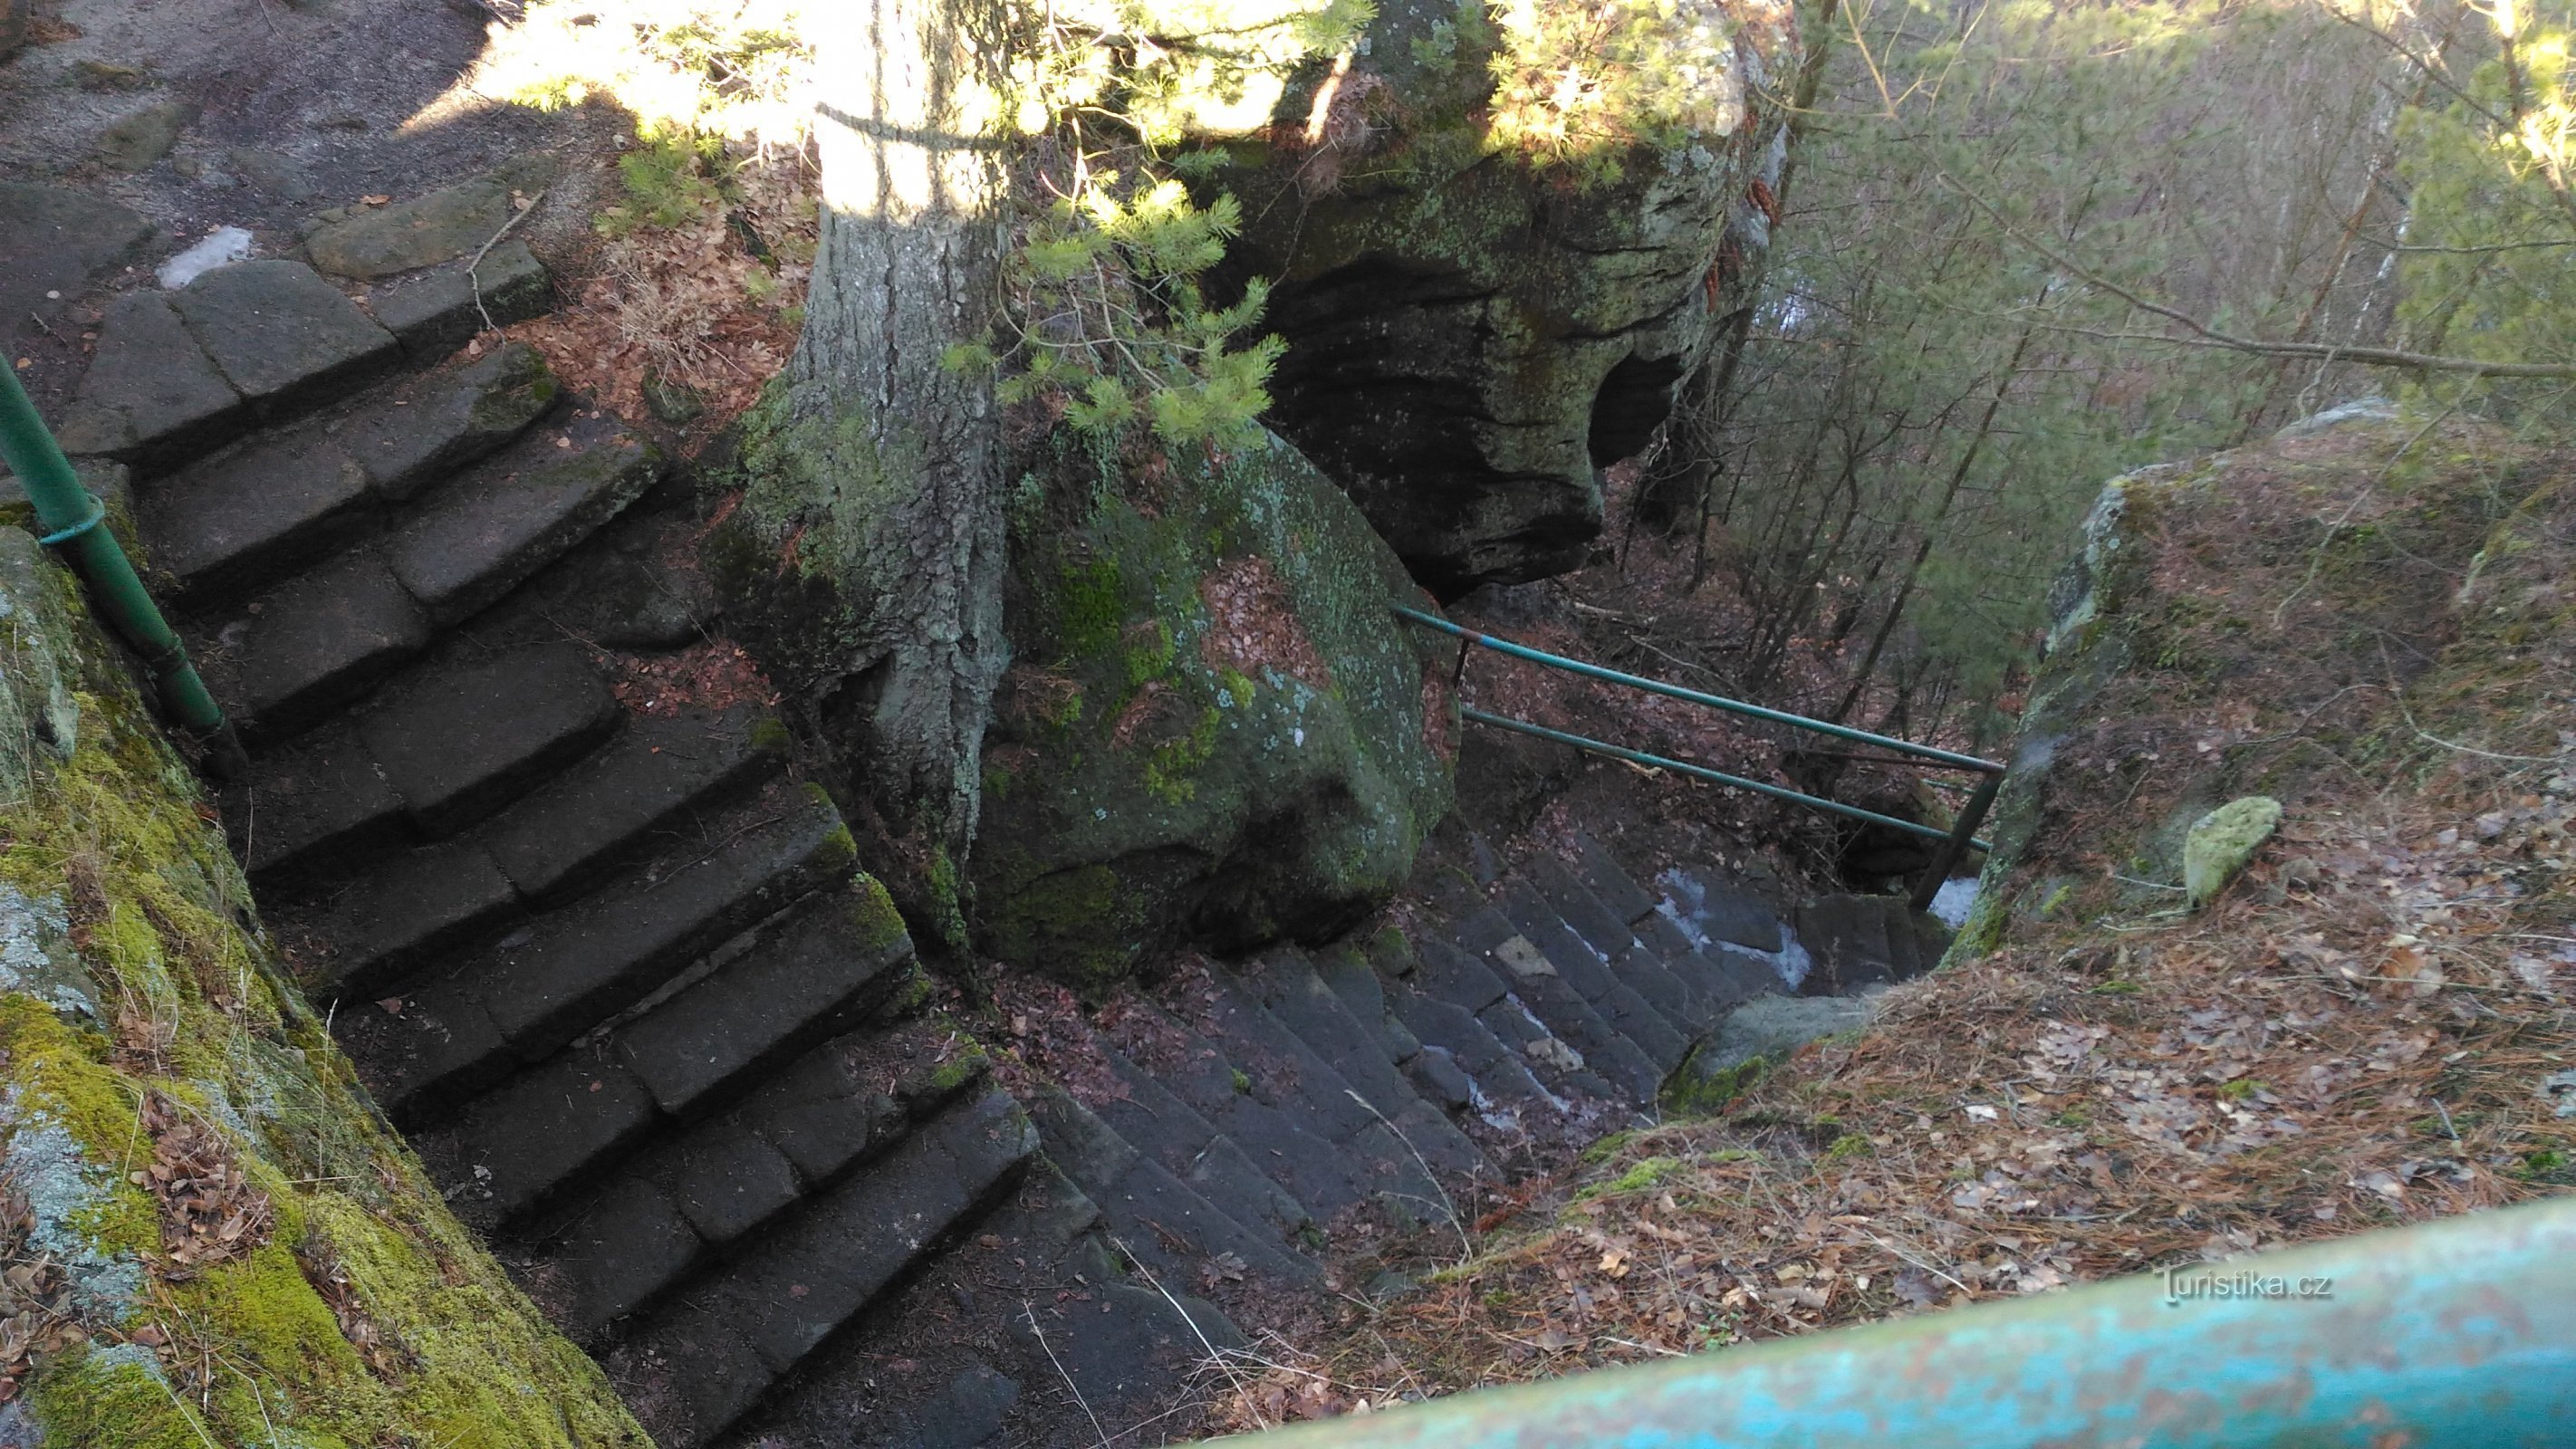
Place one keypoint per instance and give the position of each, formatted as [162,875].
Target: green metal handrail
[2459,1333]
[1954,842]
[72,521]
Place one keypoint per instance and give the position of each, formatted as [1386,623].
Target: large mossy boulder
[1214,730]
[1481,314]
[213,1237]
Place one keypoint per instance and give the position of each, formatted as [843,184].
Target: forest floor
[2372,1027]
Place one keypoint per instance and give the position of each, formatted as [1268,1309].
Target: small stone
[2222,841]
[142,138]
[421,232]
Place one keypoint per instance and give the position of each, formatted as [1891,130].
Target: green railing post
[71,520]
[1962,836]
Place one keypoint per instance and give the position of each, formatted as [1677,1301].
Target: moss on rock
[128,974]
[2222,842]
[1214,730]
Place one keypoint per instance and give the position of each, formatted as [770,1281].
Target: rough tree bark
[875,469]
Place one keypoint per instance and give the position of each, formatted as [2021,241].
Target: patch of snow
[1790,963]
[222,247]
[1950,905]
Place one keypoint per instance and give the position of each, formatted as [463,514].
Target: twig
[1031,1314]
[1466,1247]
[1240,1386]
[475,281]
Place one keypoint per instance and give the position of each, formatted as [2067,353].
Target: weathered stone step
[1285,983]
[522,999]
[1555,1001]
[1588,971]
[1260,1084]
[372,930]
[551,1127]
[321,640]
[1676,995]
[283,499]
[737,1335]
[484,534]
[443,745]
[1450,974]
[1168,1224]
[1169,1131]
[1609,881]
[724,1183]
[177,373]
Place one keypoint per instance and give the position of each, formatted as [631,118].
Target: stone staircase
[526,828]
[1238,1117]
[592,946]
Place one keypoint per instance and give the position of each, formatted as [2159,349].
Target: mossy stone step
[738,1334]
[461,737]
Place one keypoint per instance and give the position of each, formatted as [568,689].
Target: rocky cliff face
[215,1237]
[1213,731]
[1479,317]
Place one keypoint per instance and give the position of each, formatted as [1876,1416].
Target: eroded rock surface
[1213,730]
[1475,328]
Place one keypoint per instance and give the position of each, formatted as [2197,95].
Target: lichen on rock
[233,1247]
[1214,730]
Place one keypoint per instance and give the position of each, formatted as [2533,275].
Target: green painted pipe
[2459,1334]
[1703,772]
[73,521]
[1675,691]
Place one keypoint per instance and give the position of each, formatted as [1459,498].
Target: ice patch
[1790,963]
[222,247]
[1951,904]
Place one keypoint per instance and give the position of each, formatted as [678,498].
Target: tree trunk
[888,463]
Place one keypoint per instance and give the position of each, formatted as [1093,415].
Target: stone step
[1609,881]
[1498,1074]
[1169,1131]
[525,997]
[484,534]
[1555,1001]
[1451,974]
[283,499]
[1587,969]
[726,1181]
[1718,911]
[1847,939]
[1166,1223]
[446,743]
[432,313]
[1273,1080]
[641,790]
[1284,981]
[738,1334]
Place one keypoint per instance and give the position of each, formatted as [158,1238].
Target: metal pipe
[2459,1333]
[1675,691]
[1962,836]
[1719,777]
[72,521]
